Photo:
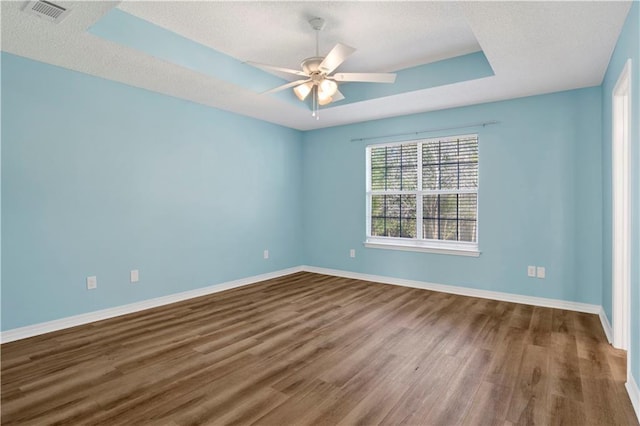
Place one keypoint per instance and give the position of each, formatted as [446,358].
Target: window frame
[463,248]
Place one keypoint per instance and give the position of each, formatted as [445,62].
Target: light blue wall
[99,178]
[628,46]
[539,199]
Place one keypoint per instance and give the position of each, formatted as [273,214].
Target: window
[423,195]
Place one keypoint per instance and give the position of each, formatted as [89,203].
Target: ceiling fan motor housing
[311,65]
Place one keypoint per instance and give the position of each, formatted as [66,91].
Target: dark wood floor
[313,349]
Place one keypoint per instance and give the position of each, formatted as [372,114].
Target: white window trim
[434,246]
[459,248]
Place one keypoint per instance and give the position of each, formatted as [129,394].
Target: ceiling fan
[317,70]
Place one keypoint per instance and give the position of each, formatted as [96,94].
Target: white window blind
[424,193]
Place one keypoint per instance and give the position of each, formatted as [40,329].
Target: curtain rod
[464,126]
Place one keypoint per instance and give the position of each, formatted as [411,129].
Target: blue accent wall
[540,198]
[440,73]
[128,30]
[99,178]
[123,28]
[627,47]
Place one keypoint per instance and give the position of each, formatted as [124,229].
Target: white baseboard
[634,394]
[463,291]
[62,323]
[606,325]
[59,324]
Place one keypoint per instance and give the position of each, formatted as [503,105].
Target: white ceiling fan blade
[338,96]
[338,54]
[285,86]
[365,77]
[274,68]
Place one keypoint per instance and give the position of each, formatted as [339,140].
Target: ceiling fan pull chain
[313,102]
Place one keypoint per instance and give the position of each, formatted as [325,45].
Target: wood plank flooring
[319,350]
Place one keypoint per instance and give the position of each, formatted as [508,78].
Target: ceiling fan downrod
[311,65]
[318,25]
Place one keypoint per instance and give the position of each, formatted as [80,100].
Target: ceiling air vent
[47,10]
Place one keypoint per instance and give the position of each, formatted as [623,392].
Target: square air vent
[46,10]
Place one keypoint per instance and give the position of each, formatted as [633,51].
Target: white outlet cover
[352,253]
[265,254]
[134,276]
[531,271]
[92,282]
[541,272]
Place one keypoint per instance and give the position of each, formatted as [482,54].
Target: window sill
[456,251]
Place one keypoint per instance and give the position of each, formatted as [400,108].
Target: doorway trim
[621,209]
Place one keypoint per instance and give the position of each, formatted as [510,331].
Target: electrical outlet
[134,276]
[92,282]
[541,272]
[352,253]
[265,254]
[531,271]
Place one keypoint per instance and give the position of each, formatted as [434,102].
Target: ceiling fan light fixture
[323,97]
[303,90]
[327,88]
[324,101]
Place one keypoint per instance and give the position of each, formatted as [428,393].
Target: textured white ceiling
[388,35]
[533,47]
